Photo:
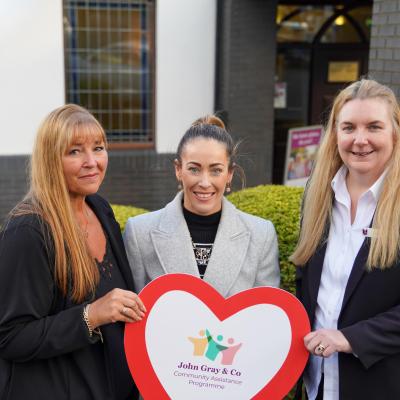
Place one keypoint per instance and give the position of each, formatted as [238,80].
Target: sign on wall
[280,95]
[301,149]
[195,344]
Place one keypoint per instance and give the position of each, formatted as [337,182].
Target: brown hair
[211,127]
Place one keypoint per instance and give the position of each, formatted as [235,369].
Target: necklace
[85,229]
[202,254]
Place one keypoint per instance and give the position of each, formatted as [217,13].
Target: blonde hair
[318,197]
[49,198]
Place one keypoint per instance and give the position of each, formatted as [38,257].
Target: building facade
[148,68]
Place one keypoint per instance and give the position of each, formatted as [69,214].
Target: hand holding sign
[194,344]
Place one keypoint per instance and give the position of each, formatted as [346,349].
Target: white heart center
[197,356]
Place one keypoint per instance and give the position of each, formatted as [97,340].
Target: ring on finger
[124,310]
[320,348]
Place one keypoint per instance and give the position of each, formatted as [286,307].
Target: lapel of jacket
[357,271]
[229,250]
[314,272]
[111,227]
[172,242]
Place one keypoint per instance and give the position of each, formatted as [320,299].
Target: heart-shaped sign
[195,344]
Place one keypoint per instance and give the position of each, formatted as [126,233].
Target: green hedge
[122,213]
[280,204]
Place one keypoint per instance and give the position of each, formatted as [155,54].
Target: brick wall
[13,182]
[245,80]
[141,178]
[384,56]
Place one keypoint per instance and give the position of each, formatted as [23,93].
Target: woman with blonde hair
[348,250]
[200,232]
[66,286]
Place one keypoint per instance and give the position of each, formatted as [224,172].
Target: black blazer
[43,337]
[369,319]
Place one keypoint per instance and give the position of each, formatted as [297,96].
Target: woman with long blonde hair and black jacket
[348,251]
[66,286]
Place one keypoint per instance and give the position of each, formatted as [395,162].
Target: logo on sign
[210,346]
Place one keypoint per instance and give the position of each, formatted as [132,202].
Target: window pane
[283,11]
[303,26]
[364,18]
[108,45]
[341,31]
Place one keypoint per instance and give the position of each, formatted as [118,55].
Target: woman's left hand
[325,342]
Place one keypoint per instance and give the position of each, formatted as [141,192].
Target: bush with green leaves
[122,213]
[280,204]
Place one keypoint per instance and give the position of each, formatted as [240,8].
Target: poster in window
[301,149]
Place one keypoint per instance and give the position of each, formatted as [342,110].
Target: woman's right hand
[325,342]
[116,305]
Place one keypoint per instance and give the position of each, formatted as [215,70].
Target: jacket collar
[315,267]
[357,272]
[173,245]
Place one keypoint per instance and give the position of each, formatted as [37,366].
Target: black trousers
[320,394]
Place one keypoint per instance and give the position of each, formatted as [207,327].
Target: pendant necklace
[85,229]
[201,253]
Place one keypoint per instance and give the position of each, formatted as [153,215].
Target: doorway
[320,49]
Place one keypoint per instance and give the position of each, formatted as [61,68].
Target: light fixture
[340,20]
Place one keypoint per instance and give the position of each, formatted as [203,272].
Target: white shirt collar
[339,184]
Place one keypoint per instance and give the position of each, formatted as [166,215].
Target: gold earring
[228,187]
[180,187]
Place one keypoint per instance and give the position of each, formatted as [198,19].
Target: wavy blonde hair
[318,197]
[49,198]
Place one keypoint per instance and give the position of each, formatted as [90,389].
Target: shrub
[281,205]
[122,213]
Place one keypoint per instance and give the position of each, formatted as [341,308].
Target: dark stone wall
[13,182]
[384,55]
[245,80]
[141,178]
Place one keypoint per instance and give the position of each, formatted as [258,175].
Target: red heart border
[135,344]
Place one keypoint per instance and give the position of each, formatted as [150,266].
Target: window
[302,23]
[110,65]
[323,24]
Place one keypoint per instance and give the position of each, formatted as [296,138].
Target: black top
[202,229]
[113,334]
[45,346]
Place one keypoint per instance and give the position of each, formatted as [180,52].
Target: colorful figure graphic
[213,347]
[229,353]
[199,344]
[205,345]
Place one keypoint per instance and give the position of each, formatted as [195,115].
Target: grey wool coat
[244,255]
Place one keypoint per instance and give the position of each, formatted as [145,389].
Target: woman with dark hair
[348,250]
[200,232]
[65,287]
